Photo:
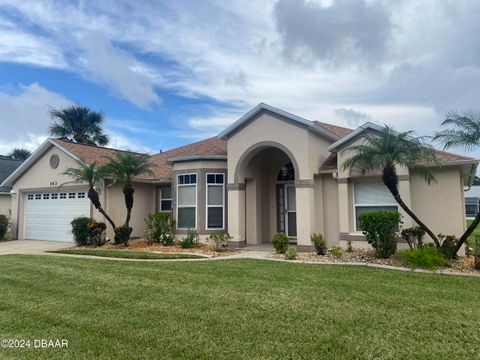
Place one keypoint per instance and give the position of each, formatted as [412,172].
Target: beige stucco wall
[326,208]
[440,205]
[5,204]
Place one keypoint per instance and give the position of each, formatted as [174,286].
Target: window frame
[196,200]
[214,206]
[355,205]
[162,199]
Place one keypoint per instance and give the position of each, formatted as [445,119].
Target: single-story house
[269,171]
[7,166]
[472,201]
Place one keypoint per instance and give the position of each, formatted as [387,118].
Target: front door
[286,209]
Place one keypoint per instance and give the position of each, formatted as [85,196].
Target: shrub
[448,243]
[80,230]
[428,257]
[336,251]
[349,246]
[290,253]
[3,226]
[319,243]
[220,240]
[122,235]
[280,242]
[96,233]
[414,237]
[160,229]
[379,228]
[190,241]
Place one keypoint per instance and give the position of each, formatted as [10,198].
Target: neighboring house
[270,171]
[6,168]
[472,201]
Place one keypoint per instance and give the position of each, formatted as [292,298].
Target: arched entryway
[267,174]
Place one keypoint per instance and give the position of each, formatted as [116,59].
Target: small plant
[160,229]
[122,235]
[280,242]
[96,233]
[476,252]
[290,253]
[3,226]
[428,257]
[379,228]
[191,240]
[319,243]
[414,237]
[80,230]
[448,244]
[336,251]
[219,240]
[349,246]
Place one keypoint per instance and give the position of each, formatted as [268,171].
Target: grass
[125,254]
[471,238]
[236,309]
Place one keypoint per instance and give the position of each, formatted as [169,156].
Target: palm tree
[93,176]
[389,149]
[463,132]
[19,154]
[123,168]
[80,124]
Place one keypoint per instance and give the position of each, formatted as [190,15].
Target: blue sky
[172,72]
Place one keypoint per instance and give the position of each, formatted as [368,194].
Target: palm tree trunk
[128,191]
[390,179]
[467,233]
[94,198]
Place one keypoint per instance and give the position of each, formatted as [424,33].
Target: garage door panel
[47,216]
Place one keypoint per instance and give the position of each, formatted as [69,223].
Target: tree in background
[19,154]
[80,124]
[462,131]
[385,151]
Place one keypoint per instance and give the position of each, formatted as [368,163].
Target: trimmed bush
[379,228]
[122,235]
[280,242]
[191,240]
[336,251]
[160,229]
[219,240]
[428,257]
[80,230]
[349,246]
[96,233]
[414,237]
[3,226]
[290,253]
[319,243]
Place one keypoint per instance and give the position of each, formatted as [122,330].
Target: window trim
[366,205]
[196,200]
[214,206]
[161,199]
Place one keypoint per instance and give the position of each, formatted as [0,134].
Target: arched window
[286,173]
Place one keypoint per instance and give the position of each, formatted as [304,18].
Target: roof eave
[175,159]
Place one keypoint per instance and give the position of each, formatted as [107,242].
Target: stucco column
[236,214]
[343,207]
[305,202]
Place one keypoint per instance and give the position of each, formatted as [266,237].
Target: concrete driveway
[31,246]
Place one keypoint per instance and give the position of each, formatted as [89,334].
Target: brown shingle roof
[335,129]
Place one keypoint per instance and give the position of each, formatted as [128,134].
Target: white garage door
[48,215]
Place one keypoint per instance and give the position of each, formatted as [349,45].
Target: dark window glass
[186,218]
[166,205]
[219,178]
[215,218]
[211,178]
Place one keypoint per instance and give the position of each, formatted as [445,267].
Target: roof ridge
[190,144]
[330,124]
[96,146]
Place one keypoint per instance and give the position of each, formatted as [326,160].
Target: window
[30,197]
[63,195]
[81,195]
[54,196]
[46,196]
[165,198]
[71,195]
[38,196]
[187,201]
[372,196]
[215,201]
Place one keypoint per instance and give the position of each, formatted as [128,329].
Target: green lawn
[471,238]
[234,309]
[124,254]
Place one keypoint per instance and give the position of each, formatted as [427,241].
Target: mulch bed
[462,264]
[143,245]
